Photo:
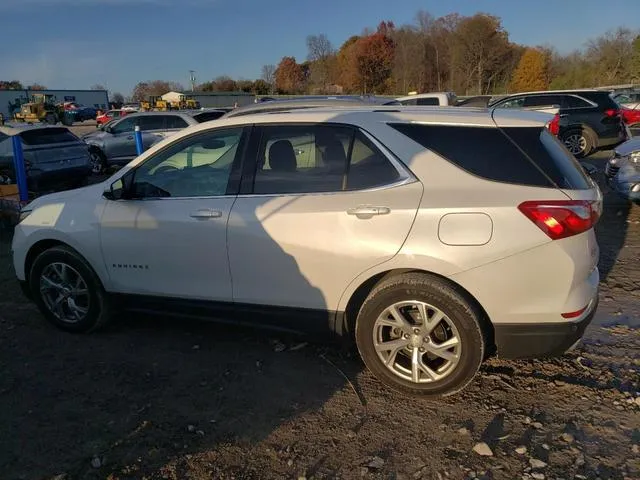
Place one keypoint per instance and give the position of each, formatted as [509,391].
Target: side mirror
[108,129]
[115,191]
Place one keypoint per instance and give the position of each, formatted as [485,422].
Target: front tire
[418,334]
[67,291]
[50,119]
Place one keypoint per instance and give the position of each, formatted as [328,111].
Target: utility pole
[192,77]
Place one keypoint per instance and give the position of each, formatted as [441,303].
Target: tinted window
[571,101]
[47,136]
[124,126]
[319,158]
[175,122]
[550,155]
[428,101]
[512,103]
[152,122]
[197,166]
[482,151]
[602,99]
[543,101]
[207,116]
[413,101]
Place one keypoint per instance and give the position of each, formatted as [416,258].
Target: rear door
[319,206]
[121,143]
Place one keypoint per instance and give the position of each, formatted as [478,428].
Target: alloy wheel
[64,292]
[417,341]
[576,143]
[96,162]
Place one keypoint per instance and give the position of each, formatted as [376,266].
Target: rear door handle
[206,213]
[368,211]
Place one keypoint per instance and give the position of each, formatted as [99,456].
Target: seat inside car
[282,157]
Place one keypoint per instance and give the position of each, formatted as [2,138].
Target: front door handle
[206,213]
[130,137]
[368,211]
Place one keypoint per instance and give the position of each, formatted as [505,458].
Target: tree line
[469,55]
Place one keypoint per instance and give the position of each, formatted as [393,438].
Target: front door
[168,236]
[326,205]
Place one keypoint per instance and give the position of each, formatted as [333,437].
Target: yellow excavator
[186,102]
[154,102]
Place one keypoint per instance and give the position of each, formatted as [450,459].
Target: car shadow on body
[149,388]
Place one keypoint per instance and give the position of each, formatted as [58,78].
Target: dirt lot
[172,399]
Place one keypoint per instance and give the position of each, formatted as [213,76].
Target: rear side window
[152,122]
[571,101]
[428,101]
[490,153]
[47,136]
[543,101]
[174,122]
[550,155]
[602,99]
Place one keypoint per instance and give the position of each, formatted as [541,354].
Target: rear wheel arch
[360,294]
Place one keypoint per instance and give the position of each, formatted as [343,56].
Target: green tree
[532,72]
[11,85]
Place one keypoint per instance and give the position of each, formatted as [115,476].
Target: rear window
[490,153]
[47,136]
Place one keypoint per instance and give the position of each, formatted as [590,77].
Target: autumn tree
[532,72]
[268,75]
[98,86]
[321,57]
[10,85]
[289,76]
[143,90]
[481,46]
[118,98]
[610,56]
[635,60]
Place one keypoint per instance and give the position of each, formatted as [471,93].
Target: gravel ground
[172,399]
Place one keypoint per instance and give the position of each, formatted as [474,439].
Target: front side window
[319,158]
[124,126]
[193,167]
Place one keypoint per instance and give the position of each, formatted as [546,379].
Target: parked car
[54,157]
[480,101]
[376,223]
[131,107]
[588,119]
[630,100]
[430,99]
[109,115]
[116,145]
[623,170]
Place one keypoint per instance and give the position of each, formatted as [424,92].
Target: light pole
[192,77]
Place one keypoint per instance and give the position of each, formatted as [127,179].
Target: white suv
[432,236]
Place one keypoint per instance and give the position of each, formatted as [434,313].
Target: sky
[73,44]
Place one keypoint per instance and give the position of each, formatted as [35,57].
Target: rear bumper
[541,339]
[615,138]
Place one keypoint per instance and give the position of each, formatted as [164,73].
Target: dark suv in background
[587,119]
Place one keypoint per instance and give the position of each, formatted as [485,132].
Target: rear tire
[395,342]
[67,291]
[579,142]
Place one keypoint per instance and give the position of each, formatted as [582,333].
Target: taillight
[612,112]
[554,125]
[562,218]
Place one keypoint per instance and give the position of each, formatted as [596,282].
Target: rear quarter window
[47,136]
[602,99]
[519,155]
